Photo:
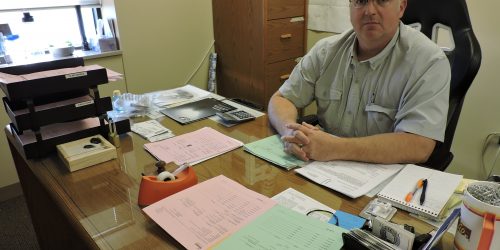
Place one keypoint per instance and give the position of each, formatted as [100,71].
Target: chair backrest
[464,57]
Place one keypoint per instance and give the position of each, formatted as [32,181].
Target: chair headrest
[465,59]
[452,13]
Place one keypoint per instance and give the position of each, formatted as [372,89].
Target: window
[10,5]
[54,21]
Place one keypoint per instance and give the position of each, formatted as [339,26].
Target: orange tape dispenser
[155,188]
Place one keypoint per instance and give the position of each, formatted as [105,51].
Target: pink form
[193,147]
[208,212]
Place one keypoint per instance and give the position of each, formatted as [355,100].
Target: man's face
[376,20]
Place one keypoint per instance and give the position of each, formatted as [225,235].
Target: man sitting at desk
[381,88]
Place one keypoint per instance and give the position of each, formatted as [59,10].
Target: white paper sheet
[353,179]
[152,130]
[328,15]
[299,202]
[178,96]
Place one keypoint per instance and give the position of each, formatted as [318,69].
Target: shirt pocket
[380,119]
[328,94]
[328,103]
[328,99]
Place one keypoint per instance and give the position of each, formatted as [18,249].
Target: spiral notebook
[440,187]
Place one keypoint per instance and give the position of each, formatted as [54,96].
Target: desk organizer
[35,88]
[48,111]
[152,190]
[72,109]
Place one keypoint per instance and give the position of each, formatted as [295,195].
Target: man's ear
[402,7]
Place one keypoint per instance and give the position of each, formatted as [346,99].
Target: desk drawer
[285,39]
[285,8]
[277,74]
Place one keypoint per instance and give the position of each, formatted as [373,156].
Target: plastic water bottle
[2,45]
[4,58]
[116,101]
[13,49]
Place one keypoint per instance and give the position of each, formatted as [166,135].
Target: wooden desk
[97,207]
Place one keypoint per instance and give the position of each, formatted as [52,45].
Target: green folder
[282,228]
[271,149]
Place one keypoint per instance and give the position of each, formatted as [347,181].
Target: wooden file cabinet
[257,44]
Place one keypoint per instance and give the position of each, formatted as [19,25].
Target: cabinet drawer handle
[285,36]
[284,77]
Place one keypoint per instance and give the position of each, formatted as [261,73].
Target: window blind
[14,5]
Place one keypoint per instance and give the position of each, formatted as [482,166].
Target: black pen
[422,195]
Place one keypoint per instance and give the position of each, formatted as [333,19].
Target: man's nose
[370,6]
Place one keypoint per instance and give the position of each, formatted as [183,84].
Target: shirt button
[349,112]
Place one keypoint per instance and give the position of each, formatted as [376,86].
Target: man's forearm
[385,148]
[281,112]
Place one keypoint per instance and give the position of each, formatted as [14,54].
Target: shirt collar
[378,59]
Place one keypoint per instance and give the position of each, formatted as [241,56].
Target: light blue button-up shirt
[403,88]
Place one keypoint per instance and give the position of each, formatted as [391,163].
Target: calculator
[223,107]
[235,116]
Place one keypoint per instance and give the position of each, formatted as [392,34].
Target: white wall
[480,113]
[164,42]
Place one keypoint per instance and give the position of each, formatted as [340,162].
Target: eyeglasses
[357,4]
[324,215]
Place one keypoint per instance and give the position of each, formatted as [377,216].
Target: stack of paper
[353,179]
[152,130]
[223,214]
[184,94]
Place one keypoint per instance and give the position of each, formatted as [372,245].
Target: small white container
[62,51]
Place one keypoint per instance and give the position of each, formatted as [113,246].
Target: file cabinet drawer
[285,8]
[252,66]
[285,39]
[277,74]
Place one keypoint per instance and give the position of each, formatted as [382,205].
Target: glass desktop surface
[103,198]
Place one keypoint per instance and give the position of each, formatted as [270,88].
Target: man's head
[376,21]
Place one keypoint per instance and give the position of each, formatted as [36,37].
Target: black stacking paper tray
[36,107]
[71,109]
[32,89]
[32,148]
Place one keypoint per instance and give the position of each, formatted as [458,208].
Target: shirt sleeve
[424,106]
[299,87]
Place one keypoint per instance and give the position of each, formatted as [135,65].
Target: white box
[86,152]
[107,44]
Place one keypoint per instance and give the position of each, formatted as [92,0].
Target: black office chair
[465,59]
